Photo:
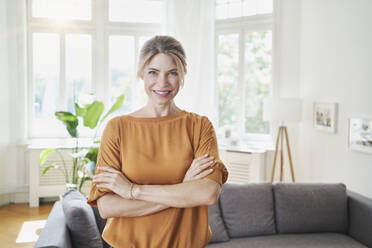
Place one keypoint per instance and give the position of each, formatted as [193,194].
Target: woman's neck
[158,111]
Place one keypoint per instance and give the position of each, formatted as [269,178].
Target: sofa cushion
[247,209]
[318,240]
[216,224]
[310,208]
[80,221]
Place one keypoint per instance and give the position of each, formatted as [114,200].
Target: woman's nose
[162,79]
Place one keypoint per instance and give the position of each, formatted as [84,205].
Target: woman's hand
[114,180]
[196,169]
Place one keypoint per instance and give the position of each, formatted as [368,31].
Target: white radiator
[243,167]
[51,184]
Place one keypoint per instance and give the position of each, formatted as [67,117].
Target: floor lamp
[282,110]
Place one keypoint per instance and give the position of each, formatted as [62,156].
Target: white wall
[335,66]
[4,99]
[286,79]
[13,169]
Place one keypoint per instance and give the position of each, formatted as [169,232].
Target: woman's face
[161,79]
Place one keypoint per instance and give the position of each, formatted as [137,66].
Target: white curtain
[192,23]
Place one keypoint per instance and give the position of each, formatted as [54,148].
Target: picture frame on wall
[325,116]
[360,134]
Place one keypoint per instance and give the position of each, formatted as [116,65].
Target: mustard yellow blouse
[158,151]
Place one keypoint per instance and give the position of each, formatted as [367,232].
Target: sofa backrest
[80,220]
[360,218]
[310,207]
[247,209]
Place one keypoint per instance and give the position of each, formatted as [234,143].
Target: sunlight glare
[62,9]
[30,231]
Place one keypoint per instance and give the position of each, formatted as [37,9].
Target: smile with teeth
[162,93]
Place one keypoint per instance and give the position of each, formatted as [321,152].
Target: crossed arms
[195,190]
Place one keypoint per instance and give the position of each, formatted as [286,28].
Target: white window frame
[242,25]
[100,28]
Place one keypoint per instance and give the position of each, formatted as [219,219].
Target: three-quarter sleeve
[108,155]
[208,144]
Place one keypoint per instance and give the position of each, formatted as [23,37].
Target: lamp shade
[282,109]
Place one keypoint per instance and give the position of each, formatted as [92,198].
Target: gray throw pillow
[310,207]
[80,221]
[215,221]
[247,209]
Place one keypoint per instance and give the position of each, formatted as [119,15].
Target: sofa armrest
[55,233]
[360,218]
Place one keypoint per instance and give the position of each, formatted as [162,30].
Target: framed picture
[360,134]
[325,116]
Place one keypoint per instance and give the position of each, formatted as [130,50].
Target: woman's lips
[161,93]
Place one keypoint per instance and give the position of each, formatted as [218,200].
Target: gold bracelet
[131,193]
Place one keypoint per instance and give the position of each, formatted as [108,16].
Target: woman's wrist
[135,191]
[130,191]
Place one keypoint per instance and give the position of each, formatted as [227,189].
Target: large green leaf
[79,111]
[54,165]
[119,102]
[93,114]
[65,116]
[71,121]
[92,154]
[44,155]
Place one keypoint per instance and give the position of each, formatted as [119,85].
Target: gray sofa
[255,215]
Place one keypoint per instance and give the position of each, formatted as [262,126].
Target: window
[81,46]
[244,65]
[237,8]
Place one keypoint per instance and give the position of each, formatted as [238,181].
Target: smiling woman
[158,168]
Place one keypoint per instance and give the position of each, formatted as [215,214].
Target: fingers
[205,156]
[199,165]
[204,173]
[103,177]
[206,160]
[103,185]
[206,165]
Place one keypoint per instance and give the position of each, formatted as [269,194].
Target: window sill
[67,143]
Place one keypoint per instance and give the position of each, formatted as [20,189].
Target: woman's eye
[174,73]
[152,72]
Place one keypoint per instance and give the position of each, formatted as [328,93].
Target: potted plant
[84,159]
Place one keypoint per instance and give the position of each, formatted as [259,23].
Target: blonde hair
[163,44]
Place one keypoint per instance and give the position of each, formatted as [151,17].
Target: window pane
[227,78]
[121,68]
[78,67]
[257,79]
[222,9]
[238,8]
[46,60]
[147,11]
[62,9]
